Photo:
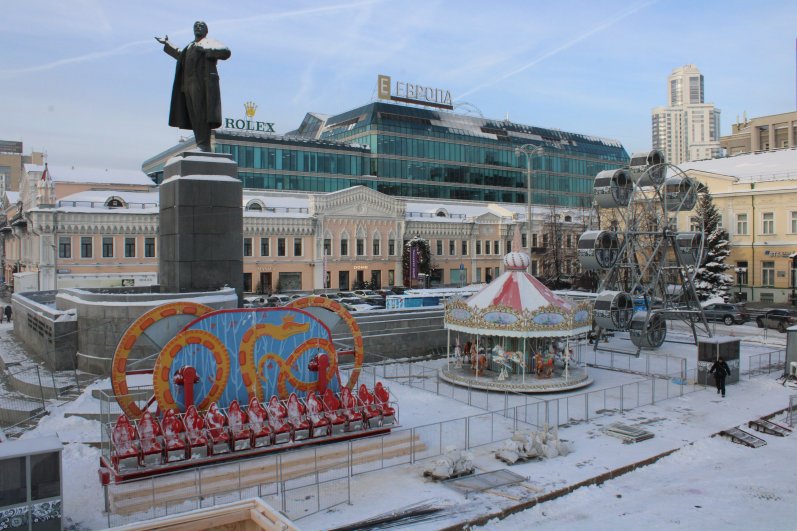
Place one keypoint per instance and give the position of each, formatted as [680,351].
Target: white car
[355,304]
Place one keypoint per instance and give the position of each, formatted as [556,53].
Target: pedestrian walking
[720,370]
[7,311]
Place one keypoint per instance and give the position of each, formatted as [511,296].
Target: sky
[86,82]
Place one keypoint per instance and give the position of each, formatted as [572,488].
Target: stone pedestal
[201,224]
[709,349]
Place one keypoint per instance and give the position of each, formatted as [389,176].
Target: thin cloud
[569,44]
[120,50]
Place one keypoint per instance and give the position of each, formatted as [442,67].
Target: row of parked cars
[778,319]
[355,301]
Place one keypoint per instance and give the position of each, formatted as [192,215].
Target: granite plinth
[201,224]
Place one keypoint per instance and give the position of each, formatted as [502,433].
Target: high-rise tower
[688,128]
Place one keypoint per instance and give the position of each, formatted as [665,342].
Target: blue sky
[85,81]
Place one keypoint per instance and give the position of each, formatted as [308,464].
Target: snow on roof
[91,200]
[13,197]
[766,165]
[72,174]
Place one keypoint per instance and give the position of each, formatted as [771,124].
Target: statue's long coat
[178,112]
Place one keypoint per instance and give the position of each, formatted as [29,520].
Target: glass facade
[416,152]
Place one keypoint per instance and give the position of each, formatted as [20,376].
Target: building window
[439,247]
[508,246]
[741,223]
[487,247]
[327,246]
[107,247]
[452,247]
[376,247]
[149,247]
[794,222]
[85,247]
[534,240]
[130,247]
[344,247]
[360,246]
[248,282]
[64,247]
[297,247]
[478,247]
[524,240]
[768,223]
[265,246]
[496,247]
[464,247]
[281,247]
[391,249]
[768,274]
[545,241]
[391,277]
[478,271]
[248,248]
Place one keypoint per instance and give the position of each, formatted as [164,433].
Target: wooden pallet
[739,436]
[769,427]
[429,474]
[520,459]
[628,434]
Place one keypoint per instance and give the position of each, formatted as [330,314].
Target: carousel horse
[502,358]
[478,360]
[457,357]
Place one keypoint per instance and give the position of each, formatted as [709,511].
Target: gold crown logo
[251,109]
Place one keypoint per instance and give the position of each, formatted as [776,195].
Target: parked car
[255,302]
[727,313]
[355,304]
[333,296]
[365,293]
[278,300]
[778,319]
[384,293]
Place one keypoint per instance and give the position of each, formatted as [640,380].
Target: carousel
[516,335]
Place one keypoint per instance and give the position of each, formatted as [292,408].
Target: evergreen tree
[710,278]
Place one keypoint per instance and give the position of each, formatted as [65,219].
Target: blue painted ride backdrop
[265,339]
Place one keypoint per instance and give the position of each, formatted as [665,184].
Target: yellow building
[757,198]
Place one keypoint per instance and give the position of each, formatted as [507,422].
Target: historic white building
[74,228]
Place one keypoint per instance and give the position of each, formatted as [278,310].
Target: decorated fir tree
[710,280]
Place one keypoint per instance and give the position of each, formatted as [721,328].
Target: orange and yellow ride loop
[128,341]
[356,334]
[285,370]
[161,375]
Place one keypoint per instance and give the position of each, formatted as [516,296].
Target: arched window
[441,213]
[256,205]
[115,202]
[568,219]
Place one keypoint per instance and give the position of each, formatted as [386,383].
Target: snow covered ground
[708,483]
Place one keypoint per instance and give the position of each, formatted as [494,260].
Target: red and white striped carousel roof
[519,291]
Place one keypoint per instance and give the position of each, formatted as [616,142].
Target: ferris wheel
[646,266]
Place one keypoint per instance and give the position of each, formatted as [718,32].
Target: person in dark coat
[7,311]
[720,370]
[196,95]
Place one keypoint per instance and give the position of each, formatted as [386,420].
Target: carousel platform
[488,380]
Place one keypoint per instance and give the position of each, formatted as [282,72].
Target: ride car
[727,313]
[778,319]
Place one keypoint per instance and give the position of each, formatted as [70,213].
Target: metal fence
[299,483]
[30,390]
[766,363]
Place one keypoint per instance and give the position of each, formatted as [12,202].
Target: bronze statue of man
[196,96]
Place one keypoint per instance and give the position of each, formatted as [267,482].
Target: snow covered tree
[710,278]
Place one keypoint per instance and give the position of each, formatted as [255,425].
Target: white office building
[688,128]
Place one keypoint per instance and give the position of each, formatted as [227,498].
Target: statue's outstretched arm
[168,47]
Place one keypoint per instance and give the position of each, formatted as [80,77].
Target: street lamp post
[530,151]
[740,271]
